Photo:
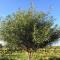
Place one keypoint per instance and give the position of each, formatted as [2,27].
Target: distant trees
[29,30]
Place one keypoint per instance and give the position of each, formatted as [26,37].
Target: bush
[54,58]
[4,58]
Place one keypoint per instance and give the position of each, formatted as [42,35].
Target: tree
[29,30]
[1,46]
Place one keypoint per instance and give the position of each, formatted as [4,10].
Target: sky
[9,6]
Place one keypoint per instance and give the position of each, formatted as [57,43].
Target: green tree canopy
[29,30]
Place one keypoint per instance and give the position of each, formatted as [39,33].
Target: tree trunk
[29,55]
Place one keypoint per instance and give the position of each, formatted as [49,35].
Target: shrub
[4,58]
[54,58]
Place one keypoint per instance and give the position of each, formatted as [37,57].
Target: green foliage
[4,58]
[28,31]
[54,58]
[49,53]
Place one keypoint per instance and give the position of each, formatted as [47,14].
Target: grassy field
[49,53]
